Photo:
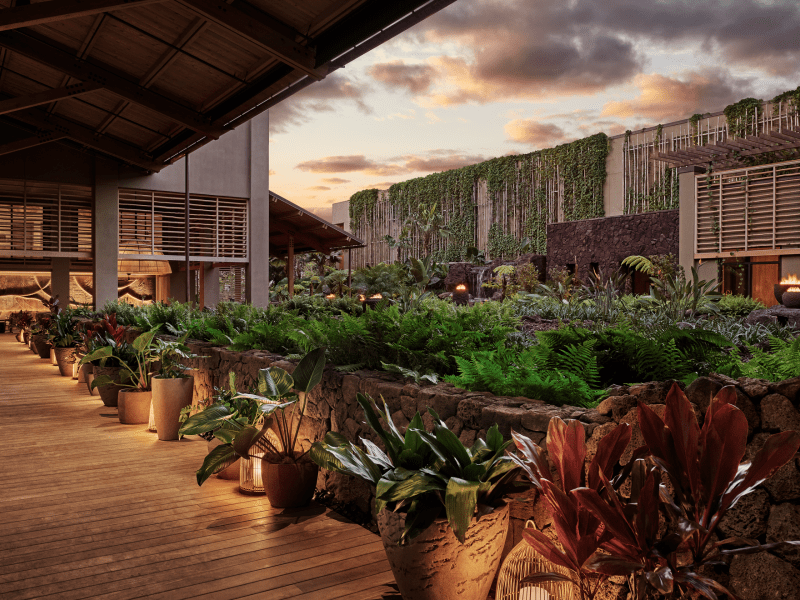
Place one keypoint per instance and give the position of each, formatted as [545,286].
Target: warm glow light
[790,280]
[793,289]
[376,297]
[362,297]
[533,593]
[461,287]
[331,296]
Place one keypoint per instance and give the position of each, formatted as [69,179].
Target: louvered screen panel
[153,224]
[40,219]
[749,211]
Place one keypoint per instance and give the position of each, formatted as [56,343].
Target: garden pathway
[90,508]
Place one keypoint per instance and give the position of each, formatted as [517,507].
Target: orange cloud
[529,131]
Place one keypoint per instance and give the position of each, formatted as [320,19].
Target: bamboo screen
[749,211]
[39,219]
[651,184]
[153,224]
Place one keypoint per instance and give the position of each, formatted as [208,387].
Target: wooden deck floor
[90,508]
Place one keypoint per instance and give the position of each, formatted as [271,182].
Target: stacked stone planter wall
[771,513]
[607,241]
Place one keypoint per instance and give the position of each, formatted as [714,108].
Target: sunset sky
[485,78]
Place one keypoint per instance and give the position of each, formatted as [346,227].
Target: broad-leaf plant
[280,404]
[426,475]
[662,533]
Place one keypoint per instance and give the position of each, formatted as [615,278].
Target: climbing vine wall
[492,205]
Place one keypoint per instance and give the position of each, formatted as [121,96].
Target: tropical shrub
[660,535]
[427,475]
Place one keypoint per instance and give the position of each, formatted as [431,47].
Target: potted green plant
[437,502]
[135,395]
[108,334]
[289,475]
[218,422]
[39,341]
[63,336]
[173,387]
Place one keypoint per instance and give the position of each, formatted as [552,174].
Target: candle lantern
[461,294]
[524,561]
[250,481]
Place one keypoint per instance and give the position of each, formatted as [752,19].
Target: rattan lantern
[250,481]
[523,561]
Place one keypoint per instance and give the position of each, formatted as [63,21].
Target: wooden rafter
[273,36]
[39,98]
[29,142]
[83,52]
[28,15]
[59,126]
[50,54]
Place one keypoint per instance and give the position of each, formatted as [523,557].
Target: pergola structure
[106,95]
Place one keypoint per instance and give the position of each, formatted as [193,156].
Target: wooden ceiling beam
[28,15]
[59,126]
[50,54]
[274,36]
[46,97]
[30,142]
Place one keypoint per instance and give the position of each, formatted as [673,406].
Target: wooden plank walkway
[90,508]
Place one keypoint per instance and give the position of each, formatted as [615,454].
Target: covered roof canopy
[309,233]
[147,81]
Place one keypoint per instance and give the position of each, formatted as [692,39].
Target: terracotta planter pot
[435,566]
[65,358]
[42,346]
[109,392]
[289,485]
[230,473]
[134,406]
[169,397]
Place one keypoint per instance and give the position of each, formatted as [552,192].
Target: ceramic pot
[42,346]
[65,358]
[20,336]
[289,485]
[133,406]
[470,567]
[89,380]
[108,393]
[791,299]
[32,345]
[26,336]
[53,356]
[169,397]
[231,472]
[83,374]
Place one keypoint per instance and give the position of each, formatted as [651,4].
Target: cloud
[530,131]
[668,98]
[335,180]
[323,212]
[397,74]
[429,162]
[523,49]
[383,185]
[327,95]
[319,188]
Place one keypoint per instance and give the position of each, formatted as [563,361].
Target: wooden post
[350,271]
[186,230]
[290,266]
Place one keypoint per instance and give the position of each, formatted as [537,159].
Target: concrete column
[687,226]
[708,270]
[59,280]
[211,285]
[257,275]
[106,230]
[614,188]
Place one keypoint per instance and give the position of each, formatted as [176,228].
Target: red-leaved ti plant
[707,479]
[580,533]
